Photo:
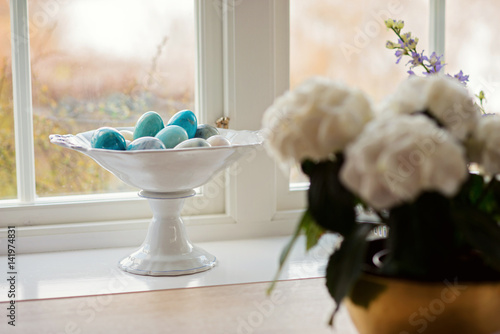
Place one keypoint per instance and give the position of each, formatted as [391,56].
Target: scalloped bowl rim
[85,147]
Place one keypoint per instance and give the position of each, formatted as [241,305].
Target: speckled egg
[194,142]
[108,138]
[218,140]
[172,135]
[148,125]
[206,131]
[185,119]
[146,143]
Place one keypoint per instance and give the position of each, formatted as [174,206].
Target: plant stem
[411,50]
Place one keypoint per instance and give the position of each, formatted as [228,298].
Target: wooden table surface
[295,306]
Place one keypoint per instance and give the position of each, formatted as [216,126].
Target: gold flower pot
[379,305]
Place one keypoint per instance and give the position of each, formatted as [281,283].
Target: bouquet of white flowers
[425,161]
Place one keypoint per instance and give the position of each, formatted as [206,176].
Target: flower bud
[405,37]
[412,43]
[481,95]
[389,23]
[399,25]
[391,45]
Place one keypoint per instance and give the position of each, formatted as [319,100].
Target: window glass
[346,41]
[472,46]
[8,188]
[104,63]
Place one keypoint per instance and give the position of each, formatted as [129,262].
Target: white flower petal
[318,118]
[394,161]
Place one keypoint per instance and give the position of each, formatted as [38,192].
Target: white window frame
[242,66]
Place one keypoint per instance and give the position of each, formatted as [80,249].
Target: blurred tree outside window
[94,63]
[8,184]
[346,41]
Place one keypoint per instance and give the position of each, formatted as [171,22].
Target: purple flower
[417,59]
[462,77]
[410,72]
[435,63]
[399,54]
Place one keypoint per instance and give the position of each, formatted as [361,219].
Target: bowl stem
[167,250]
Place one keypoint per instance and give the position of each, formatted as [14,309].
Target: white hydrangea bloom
[445,98]
[316,119]
[484,146]
[395,159]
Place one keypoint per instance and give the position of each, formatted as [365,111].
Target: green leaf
[331,205]
[344,266]
[482,232]
[312,230]
[491,198]
[422,238]
[475,186]
[306,220]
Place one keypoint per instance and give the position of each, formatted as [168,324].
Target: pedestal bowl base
[142,263]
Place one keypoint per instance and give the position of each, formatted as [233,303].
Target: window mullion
[209,90]
[437,26]
[23,110]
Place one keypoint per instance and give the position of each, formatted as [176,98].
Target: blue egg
[148,125]
[194,142]
[108,138]
[172,135]
[206,131]
[185,119]
[146,143]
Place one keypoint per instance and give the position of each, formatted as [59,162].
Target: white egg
[128,135]
[218,140]
[193,142]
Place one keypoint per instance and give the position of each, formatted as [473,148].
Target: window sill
[95,272]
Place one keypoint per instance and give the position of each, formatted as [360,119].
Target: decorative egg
[185,119]
[146,143]
[172,135]
[108,138]
[194,142]
[206,131]
[148,125]
[218,140]
[128,135]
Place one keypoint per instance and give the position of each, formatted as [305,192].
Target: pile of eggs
[150,133]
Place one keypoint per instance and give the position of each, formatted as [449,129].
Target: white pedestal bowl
[166,178]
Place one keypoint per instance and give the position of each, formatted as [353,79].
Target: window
[346,42]
[103,63]
[247,53]
[471,46]
[93,63]
[238,74]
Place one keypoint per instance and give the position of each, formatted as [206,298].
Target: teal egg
[206,131]
[108,138]
[194,142]
[148,125]
[146,143]
[172,135]
[186,119]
